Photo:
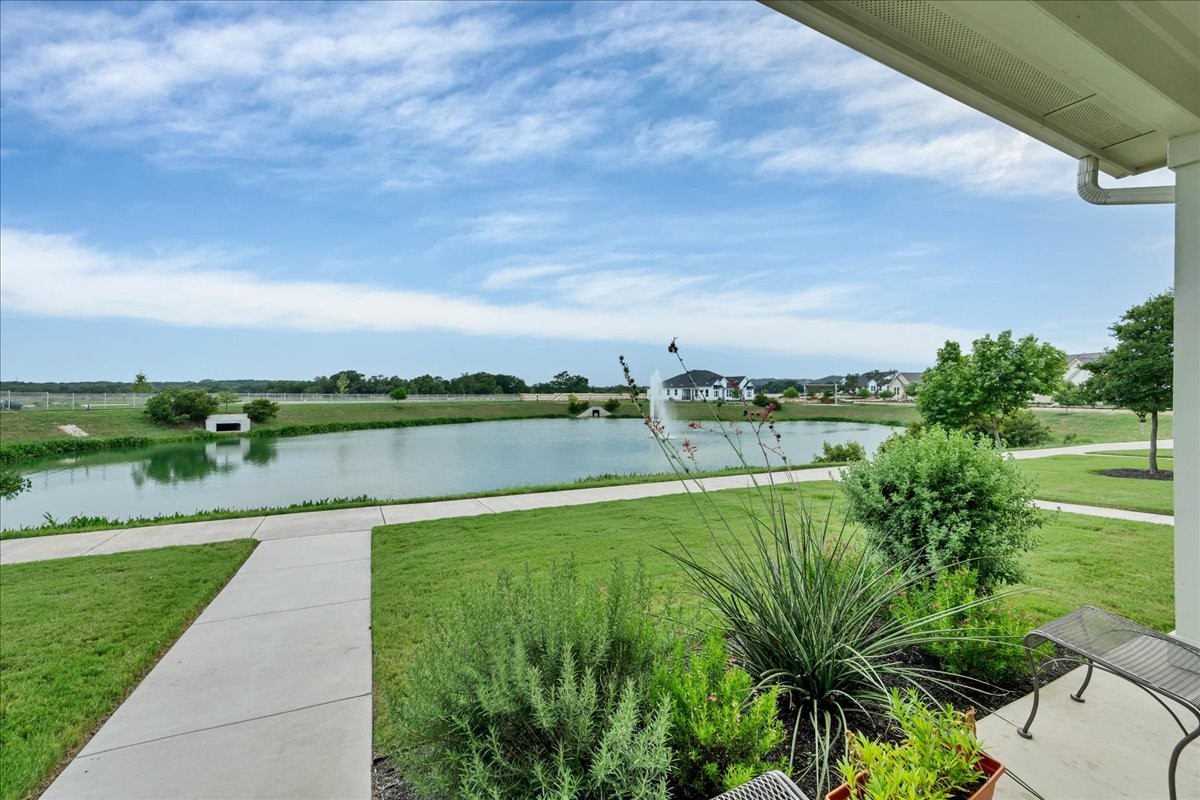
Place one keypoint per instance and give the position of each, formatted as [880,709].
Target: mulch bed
[390,785]
[1144,474]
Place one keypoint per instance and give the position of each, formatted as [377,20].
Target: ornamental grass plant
[803,606]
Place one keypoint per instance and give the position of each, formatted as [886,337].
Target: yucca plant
[805,605]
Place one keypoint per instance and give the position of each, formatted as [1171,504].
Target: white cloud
[510,277]
[408,95]
[55,276]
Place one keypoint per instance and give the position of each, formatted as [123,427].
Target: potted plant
[939,758]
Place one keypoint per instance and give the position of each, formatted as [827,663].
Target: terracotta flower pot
[992,770]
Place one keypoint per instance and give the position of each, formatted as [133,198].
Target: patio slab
[318,752]
[291,588]
[314,523]
[241,669]
[1115,745]
[307,551]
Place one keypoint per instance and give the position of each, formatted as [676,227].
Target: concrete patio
[1117,744]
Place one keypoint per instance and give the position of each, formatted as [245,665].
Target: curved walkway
[268,693]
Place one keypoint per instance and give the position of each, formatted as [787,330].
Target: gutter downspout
[1091,191]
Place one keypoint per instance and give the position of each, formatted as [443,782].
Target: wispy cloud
[54,275]
[403,96]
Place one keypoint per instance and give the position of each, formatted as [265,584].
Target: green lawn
[1125,567]
[1074,479]
[1091,427]
[422,567]
[78,634]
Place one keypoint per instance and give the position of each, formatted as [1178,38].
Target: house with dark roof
[900,383]
[701,384]
[1076,373]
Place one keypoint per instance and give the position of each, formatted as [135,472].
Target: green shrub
[761,400]
[575,405]
[398,394]
[261,410]
[840,453]
[1021,429]
[791,393]
[720,732]
[984,643]
[537,688]
[611,405]
[863,392]
[938,757]
[945,500]
[177,406]
[886,394]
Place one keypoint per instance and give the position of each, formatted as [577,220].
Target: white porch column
[1183,158]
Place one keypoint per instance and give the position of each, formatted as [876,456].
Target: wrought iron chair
[772,785]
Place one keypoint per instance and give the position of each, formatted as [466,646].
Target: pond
[396,463]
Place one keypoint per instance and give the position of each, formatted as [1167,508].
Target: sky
[227,190]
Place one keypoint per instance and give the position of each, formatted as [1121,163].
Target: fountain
[660,406]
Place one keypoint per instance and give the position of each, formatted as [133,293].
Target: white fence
[82,400]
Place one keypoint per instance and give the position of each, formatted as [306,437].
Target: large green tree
[1137,373]
[998,378]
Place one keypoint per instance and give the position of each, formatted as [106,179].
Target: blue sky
[280,191]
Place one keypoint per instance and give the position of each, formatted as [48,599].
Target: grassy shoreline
[88,524]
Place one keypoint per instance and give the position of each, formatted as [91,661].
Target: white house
[900,382]
[1076,374]
[700,384]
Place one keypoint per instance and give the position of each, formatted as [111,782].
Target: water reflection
[182,463]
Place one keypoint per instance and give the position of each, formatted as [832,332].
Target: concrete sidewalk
[267,694]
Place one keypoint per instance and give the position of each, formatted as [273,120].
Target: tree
[261,410]
[982,389]
[1069,394]
[342,383]
[564,382]
[227,398]
[141,385]
[398,394]
[791,393]
[176,406]
[1137,373]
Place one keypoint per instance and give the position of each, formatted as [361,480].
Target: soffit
[1115,79]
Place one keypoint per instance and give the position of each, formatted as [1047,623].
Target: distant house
[900,382]
[1076,373]
[700,384]
[873,386]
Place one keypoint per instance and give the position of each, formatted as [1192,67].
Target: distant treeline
[347,381]
[350,381]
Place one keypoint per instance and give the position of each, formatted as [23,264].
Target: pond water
[388,464]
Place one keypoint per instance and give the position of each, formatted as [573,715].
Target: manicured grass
[35,426]
[1090,426]
[78,634]
[1074,479]
[423,567]
[1125,567]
